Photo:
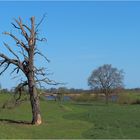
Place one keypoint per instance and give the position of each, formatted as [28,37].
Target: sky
[81,36]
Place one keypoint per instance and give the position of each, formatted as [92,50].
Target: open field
[72,120]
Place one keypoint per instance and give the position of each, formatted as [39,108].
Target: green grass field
[72,121]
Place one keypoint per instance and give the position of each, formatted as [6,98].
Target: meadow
[71,120]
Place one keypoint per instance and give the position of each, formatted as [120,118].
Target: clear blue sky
[81,36]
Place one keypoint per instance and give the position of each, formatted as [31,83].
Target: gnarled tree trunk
[34,99]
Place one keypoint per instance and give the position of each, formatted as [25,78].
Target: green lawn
[72,121]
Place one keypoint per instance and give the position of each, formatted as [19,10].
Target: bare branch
[23,26]
[19,89]
[15,26]
[39,53]
[8,47]
[17,68]
[47,81]
[2,62]
[6,67]
[22,29]
[26,27]
[17,40]
[42,39]
[40,71]
[11,61]
[40,21]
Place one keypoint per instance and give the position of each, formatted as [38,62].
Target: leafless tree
[106,79]
[24,61]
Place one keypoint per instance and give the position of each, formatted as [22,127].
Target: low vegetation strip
[72,120]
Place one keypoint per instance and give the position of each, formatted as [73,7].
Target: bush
[137,101]
[128,98]
[84,97]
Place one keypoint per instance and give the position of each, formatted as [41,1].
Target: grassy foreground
[72,121]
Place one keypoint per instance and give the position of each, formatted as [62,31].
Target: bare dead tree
[33,74]
[106,80]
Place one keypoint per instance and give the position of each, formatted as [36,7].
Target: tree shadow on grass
[9,121]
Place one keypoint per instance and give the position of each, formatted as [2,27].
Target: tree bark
[34,99]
